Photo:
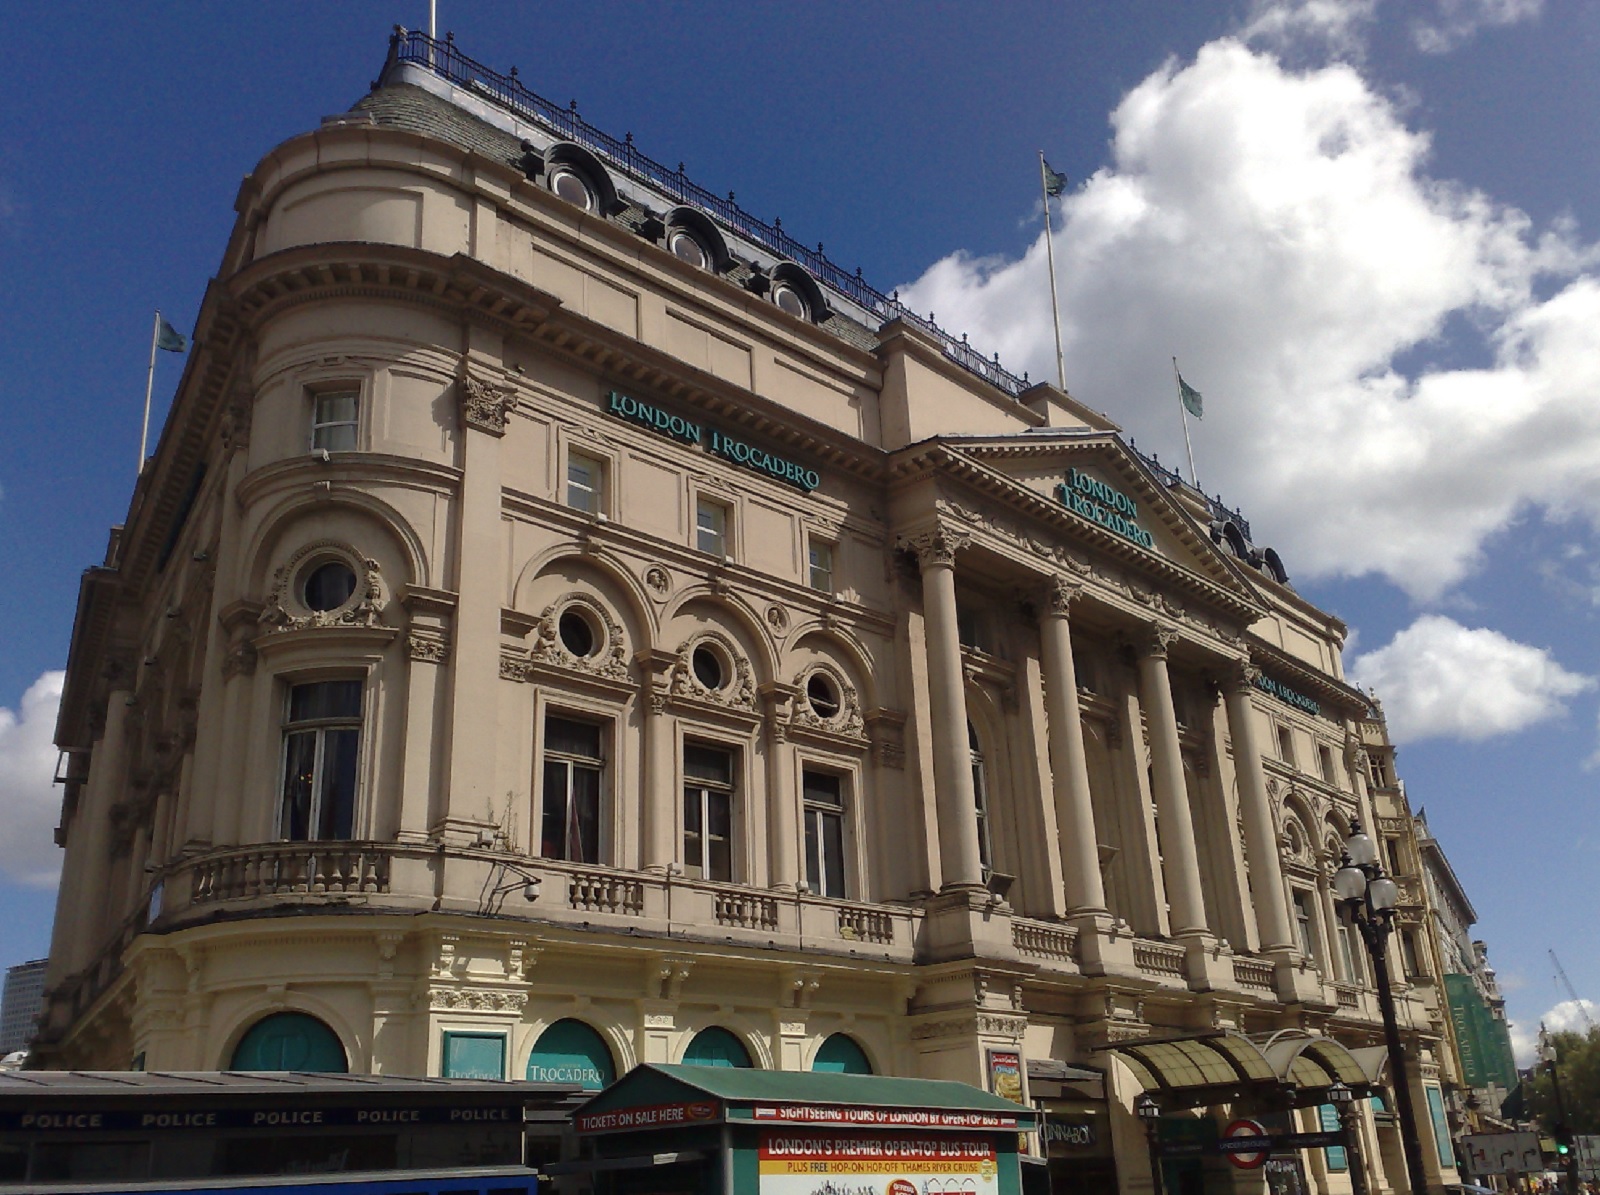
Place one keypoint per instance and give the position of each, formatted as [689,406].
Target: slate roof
[410,108]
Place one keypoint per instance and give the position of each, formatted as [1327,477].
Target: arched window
[980,794]
[289,1041]
[571,1052]
[841,1056]
[716,1047]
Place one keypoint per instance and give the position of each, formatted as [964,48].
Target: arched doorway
[289,1041]
[716,1047]
[840,1055]
[571,1052]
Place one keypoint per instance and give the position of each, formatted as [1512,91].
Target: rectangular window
[821,565]
[334,420]
[969,627]
[474,1056]
[981,800]
[1408,953]
[1302,920]
[824,814]
[708,812]
[1325,762]
[711,527]
[321,741]
[1392,847]
[573,766]
[1286,745]
[586,478]
[1349,936]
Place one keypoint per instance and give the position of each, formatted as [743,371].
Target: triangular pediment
[1093,490]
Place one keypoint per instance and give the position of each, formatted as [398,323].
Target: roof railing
[1170,478]
[507,90]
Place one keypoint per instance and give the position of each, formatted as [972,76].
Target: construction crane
[1582,1005]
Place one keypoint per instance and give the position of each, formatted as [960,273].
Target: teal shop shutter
[289,1041]
[841,1056]
[1335,1154]
[571,1052]
[716,1047]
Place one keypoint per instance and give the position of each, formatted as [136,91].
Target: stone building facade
[565,619]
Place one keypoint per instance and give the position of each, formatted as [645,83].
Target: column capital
[485,405]
[1238,676]
[937,547]
[1057,595]
[1154,639]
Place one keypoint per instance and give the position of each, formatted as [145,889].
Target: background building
[568,623]
[20,1004]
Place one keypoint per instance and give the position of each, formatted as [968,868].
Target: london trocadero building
[566,623]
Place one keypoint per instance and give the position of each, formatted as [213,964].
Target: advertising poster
[806,1162]
[1005,1074]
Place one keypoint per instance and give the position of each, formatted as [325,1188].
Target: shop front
[706,1130]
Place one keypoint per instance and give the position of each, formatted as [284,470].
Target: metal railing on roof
[449,63]
[1170,478]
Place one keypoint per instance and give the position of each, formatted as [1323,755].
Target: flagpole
[1183,411]
[149,385]
[1049,248]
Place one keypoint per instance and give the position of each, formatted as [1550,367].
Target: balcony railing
[1035,939]
[445,60]
[1248,973]
[312,868]
[1157,958]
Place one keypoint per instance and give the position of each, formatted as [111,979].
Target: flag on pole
[1190,397]
[169,338]
[1055,183]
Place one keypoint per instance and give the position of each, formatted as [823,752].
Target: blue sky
[1368,230]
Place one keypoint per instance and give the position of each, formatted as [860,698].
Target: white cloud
[1568,1016]
[1438,678]
[1283,26]
[1277,231]
[29,802]
[1456,21]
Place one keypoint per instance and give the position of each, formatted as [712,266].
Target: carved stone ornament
[610,656]
[478,1000]
[485,405]
[657,581]
[777,618]
[938,547]
[240,660]
[1059,594]
[515,665]
[1157,639]
[1239,676]
[285,611]
[237,419]
[427,644]
[847,720]
[737,693]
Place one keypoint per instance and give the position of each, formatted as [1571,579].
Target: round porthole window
[791,300]
[708,668]
[570,185]
[687,247]
[328,586]
[577,633]
[822,695]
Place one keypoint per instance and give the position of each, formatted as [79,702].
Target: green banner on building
[1483,1040]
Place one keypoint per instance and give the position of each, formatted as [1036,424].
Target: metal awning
[1217,1066]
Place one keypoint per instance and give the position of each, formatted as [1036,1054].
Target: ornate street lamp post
[1371,897]
[1343,1100]
[1150,1113]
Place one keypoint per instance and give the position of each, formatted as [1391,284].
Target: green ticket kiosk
[709,1130]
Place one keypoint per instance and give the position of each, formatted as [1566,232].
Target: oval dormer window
[687,247]
[571,186]
[791,300]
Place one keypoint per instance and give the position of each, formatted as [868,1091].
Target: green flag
[169,338]
[1190,398]
[1055,183]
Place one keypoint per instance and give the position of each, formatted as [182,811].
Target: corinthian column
[1260,831]
[954,799]
[1179,863]
[1069,770]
